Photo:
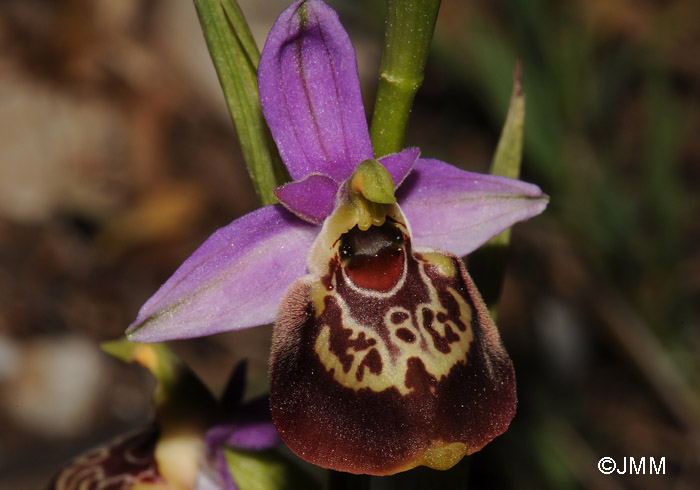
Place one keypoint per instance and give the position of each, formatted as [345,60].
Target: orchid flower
[184,448]
[384,355]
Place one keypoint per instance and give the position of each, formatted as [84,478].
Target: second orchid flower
[384,355]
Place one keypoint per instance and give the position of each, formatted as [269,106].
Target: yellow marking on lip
[445,456]
[443,263]
[375,382]
[317,295]
[395,366]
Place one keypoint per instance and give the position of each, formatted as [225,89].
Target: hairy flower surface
[384,355]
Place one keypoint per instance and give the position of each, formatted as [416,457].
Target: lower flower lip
[348,392]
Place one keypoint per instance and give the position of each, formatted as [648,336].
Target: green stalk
[409,30]
[235,56]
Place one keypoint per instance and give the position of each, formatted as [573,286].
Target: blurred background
[118,158]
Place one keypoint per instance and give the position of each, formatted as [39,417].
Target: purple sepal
[400,164]
[235,280]
[256,430]
[250,425]
[312,198]
[251,436]
[452,209]
[310,93]
[251,429]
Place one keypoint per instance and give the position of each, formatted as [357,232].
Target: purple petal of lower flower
[310,93]
[251,428]
[456,210]
[254,436]
[312,199]
[400,164]
[215,439]
[218,459]
[233,281]
[256,431]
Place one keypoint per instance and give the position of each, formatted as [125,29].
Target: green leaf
[235,56]
[266,470]
[488,263]
[508,156]
[509,151]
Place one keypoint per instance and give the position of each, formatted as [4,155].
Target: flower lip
[377,374]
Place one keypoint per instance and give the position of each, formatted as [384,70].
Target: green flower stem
[409,30]
[236,57]
[487,265]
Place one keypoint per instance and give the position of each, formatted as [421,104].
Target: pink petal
[400,164]
[458,211]
[310,93]
[233,281]
[312,198]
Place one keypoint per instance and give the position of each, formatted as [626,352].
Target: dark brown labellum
[117,466]
[388,360]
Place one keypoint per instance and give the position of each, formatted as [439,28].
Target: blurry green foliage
[618,188]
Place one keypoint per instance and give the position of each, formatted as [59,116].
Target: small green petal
[370,190]
[373,182]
